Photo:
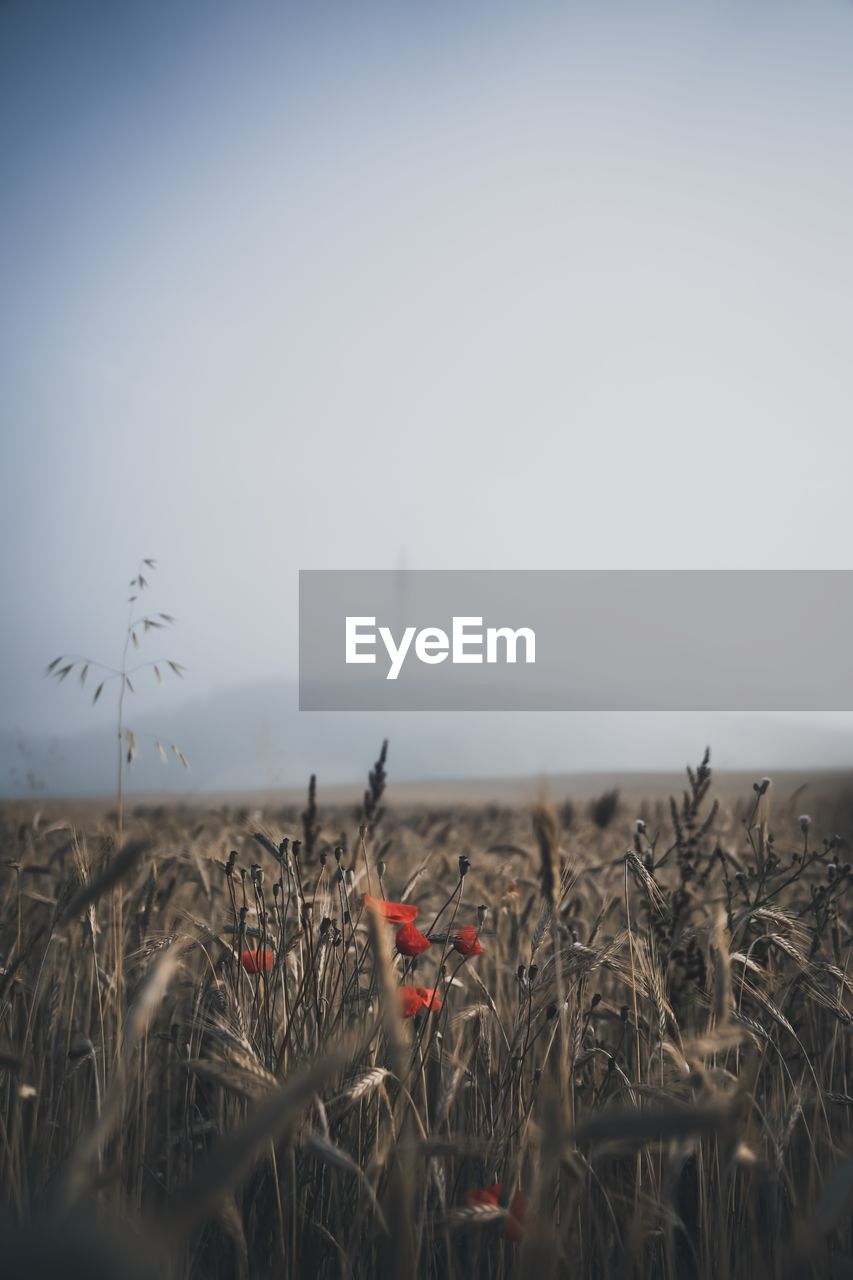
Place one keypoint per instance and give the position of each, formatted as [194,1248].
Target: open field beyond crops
[624,1048]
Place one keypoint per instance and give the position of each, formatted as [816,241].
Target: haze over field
[253,738]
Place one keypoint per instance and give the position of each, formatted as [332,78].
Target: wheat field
[582,1039]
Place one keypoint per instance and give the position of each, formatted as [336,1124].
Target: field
[623,1047]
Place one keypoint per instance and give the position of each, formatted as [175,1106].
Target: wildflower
[466,942]
[393,912]
[411,1001]
[257,961]
[516,1209]
[430,998]
[410,941]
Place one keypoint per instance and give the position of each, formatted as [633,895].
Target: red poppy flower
[410,941]
[411,1001]
[257,961]
[516,1209]
[466,942]
[430,997]
[393,912]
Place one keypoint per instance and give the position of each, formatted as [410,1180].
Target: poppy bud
[482,912]
[641,826]
[380,869]
[81,1047]
[532,972]
[804,821]
[283,846]
[297,848]
[464,866]
[521,972]
[595,1001]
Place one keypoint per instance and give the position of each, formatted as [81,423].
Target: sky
[415,285]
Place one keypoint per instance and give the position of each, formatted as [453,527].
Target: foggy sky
[423,285]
